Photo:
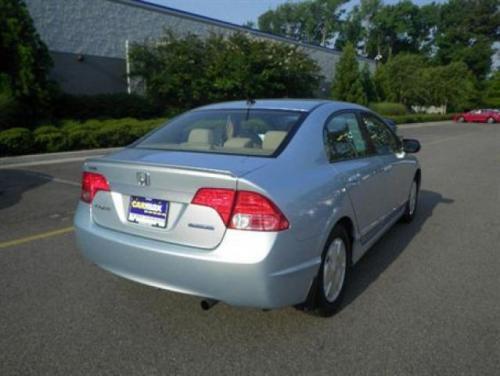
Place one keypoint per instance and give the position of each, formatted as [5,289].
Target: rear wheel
[461,119]
[490,120]
[333,273]
[411,205]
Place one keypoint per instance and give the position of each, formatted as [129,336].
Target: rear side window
[384,141]
[343,138]
[243,132]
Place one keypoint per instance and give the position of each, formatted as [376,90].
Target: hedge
[388,108]
[420,118]
[16,141]
[74,135]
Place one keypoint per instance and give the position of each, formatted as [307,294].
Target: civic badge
[143,178]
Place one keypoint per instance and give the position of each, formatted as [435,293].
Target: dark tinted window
[343,138]
[254,132]
[381,136]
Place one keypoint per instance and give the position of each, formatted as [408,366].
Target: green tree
[410,80]
[351,29]
[314,21]
[368,84]
[347,84]
[362,27]
[184,72]
[492,92]
[466,32]
[394,29]
[452,85]
[357,94]
[25,61]
[398,79]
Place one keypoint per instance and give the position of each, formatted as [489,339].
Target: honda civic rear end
[180,209]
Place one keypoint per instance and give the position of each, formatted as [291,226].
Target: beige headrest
[201,136]
[238,142]
[273,139]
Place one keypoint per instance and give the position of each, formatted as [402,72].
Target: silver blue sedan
[263,204]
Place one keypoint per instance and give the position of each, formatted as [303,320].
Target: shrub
[184,72]
[74,135]
[105,106]
[114,135]
[50,139]
[81,138]
[15,141]
[420,118]
[139,129]
[388,108]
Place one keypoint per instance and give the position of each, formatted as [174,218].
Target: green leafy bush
[49,138]
[184,72]
[81,138]
[411,80]
[15,141]
[388,108]
[420,118]
[114,134]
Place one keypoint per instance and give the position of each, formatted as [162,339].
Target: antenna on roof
[250,102]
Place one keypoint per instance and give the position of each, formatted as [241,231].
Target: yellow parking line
[31,238]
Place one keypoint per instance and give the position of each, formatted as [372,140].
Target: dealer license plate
[149,212]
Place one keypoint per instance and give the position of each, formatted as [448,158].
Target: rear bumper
[255,269]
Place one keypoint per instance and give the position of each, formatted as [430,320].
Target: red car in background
[479,116]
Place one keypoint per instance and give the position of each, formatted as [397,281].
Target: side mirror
[411,146]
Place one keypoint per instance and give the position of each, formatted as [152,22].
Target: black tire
[411,210]
[321,305]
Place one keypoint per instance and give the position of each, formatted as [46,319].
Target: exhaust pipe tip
[206,304]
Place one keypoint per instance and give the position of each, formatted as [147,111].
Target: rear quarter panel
[306,187]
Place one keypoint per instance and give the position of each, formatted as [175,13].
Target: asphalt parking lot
[425,300]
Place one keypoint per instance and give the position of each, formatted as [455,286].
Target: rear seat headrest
[238,142]
[201,136]
[273,139]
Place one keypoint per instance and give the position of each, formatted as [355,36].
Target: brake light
[217,198]
[242,210]
[91,184]
[252,211]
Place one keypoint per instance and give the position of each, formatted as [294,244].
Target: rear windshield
[244,132]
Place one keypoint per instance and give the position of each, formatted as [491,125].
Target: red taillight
[217,198]
[91,183]
[242,210]
[252,211]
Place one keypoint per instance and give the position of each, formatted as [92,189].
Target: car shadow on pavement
[13,184]
[388,248]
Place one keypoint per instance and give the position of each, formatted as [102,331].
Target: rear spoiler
[103,161]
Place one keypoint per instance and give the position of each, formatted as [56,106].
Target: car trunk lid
[172,177]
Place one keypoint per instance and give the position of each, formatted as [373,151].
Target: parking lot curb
[53,157]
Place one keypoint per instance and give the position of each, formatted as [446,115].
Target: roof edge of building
[213,21]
